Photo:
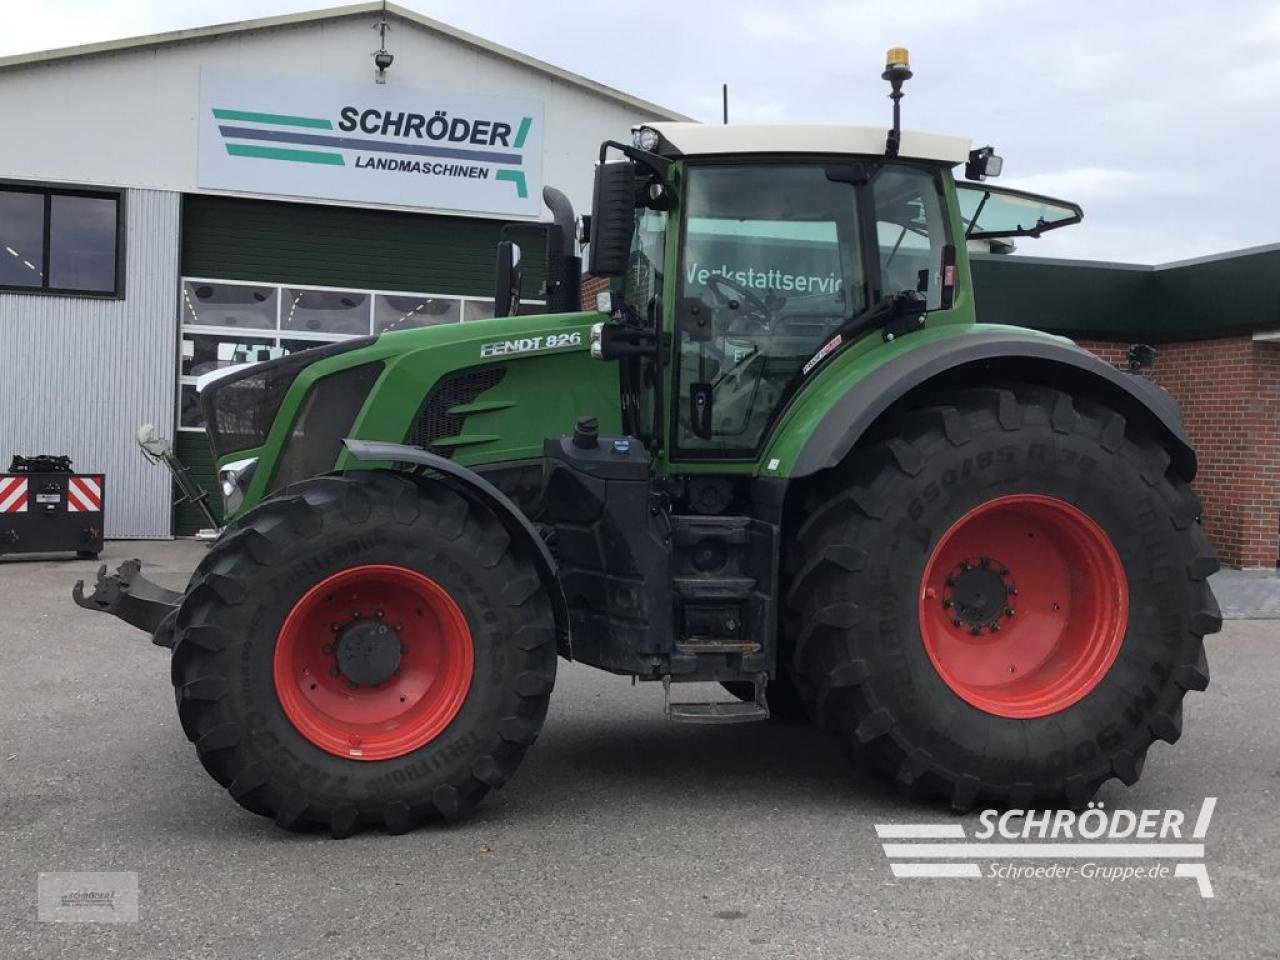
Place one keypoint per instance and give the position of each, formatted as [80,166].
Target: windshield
[775,253]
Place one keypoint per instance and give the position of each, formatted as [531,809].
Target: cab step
[717,711]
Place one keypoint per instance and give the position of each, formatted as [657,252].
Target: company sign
[369,143]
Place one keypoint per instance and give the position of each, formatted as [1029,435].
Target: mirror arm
[655,164]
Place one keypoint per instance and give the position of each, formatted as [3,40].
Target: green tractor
[782,455]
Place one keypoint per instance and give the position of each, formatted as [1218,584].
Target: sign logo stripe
[276,153]
[373,146]
[279,119]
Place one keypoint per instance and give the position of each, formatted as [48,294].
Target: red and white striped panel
[13,494]
[84,495]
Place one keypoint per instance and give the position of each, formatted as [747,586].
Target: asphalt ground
[622,835]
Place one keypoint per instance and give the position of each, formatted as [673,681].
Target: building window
[228,322]
[60,241]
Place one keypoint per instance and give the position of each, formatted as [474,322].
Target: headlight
[234,478]
[646,138]
[597,348]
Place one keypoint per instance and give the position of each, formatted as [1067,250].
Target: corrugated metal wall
[78,375]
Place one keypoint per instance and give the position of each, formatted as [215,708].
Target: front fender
[476,488]
[983,356]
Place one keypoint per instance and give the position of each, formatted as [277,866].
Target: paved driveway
[621,836]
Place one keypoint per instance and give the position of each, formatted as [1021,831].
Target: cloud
[1157,116]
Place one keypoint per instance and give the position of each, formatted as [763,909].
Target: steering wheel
[761,313]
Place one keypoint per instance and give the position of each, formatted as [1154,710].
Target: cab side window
[910,232]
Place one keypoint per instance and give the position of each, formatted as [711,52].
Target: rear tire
[925,709]
[480,621]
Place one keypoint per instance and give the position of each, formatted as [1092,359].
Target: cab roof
[693,139]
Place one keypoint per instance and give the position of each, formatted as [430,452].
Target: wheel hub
[368,652]
[979,592]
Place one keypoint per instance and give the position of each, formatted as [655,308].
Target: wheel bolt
[379,613]
[382,630]
[947,604]
[1013,591]
[335,627]
[355,614]
[1008,611]
[397,627]
[957,621]
[975,631]
[994,627]
[985,563]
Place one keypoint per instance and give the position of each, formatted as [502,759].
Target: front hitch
[133,598]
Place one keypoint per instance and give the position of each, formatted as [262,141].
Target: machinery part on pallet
[290,596]
[133,598]
[942,690]
[40,463]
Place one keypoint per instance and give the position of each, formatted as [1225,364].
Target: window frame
[48,191]
[276,335]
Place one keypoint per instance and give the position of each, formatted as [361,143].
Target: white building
[178,202]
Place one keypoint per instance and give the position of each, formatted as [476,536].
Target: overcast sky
[1161,118]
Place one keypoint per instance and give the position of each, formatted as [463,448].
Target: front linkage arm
[134,599]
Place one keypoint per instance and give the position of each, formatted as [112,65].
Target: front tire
[966,659]
[364,650]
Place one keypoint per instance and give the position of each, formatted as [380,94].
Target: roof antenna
[897,70]
[724,96]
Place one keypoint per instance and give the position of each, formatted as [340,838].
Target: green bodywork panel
[551,380]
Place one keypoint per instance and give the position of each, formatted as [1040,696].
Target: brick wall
[1229,390]
[590,287]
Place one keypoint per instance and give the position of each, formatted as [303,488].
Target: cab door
[777,258]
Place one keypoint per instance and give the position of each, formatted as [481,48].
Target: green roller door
[235,239]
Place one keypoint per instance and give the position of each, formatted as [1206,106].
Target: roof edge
[212,31]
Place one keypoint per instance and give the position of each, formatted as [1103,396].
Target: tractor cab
[762,251]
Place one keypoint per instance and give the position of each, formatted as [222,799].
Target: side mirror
[506,284]
[613,214]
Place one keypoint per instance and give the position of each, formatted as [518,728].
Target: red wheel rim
[1023,606]
[373,662]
